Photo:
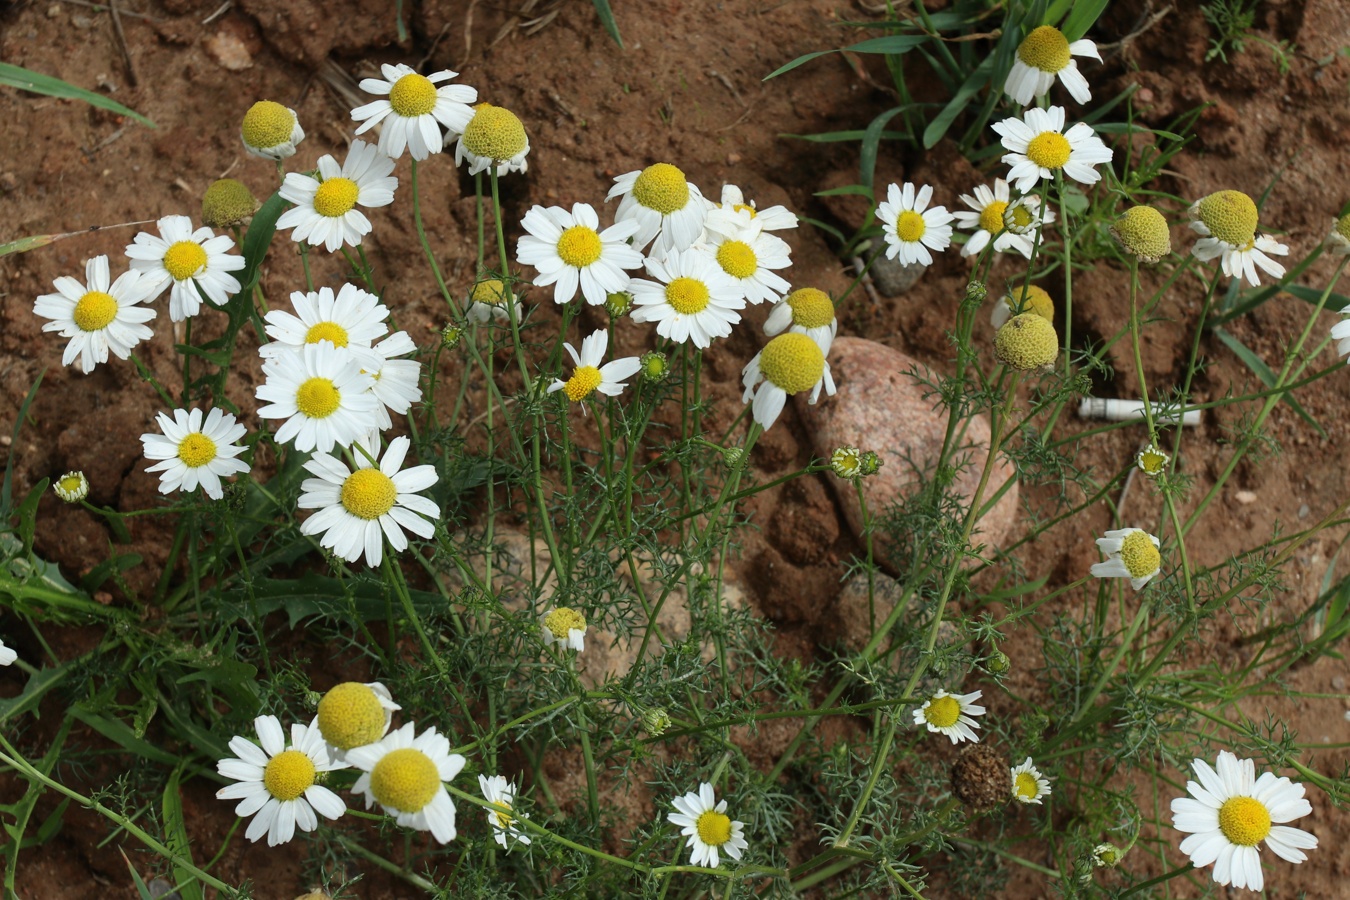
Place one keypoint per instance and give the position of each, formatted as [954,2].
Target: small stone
[228,51]
[1304,510]
[981,778]
[8,181]
[1338,682]
[1246,498]
[54,11]
[892,277]
[162,889]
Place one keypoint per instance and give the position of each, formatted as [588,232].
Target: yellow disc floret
[336,197]
[1019,217]
[227,203]
[368,493]
[687,296]
[1026,342]
[288,774]
[1244,820]
[350,715]
[1140,556]
[661,187]
[737,259]
[714,828]
[1342,226]
[1046,48]
[1034,300]
[1026,787]
[267,124]
[318,398]
[579,246]
[744,207]
[1143,232]
[95,311]
[811,308]
[72,486]
[405,780]
[562,620]
[495,133]
[490,292]
[910,226]
[327,331]
[184,259]
[196,450]
[413,95]
[792,362]
[583,383]
[1230,216]
[991,217]
[1152,460]
[942,712]
[1049,150]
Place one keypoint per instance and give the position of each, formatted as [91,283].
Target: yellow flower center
[184,259]
[661,187]
[579,246]
[1022,218]
[737,259]
[714,828]
[1139,555]
[405,780]
[368,493]
[1244,821]
[562,620]
[196,450]
[267,124]
[1034,300]
[502,820]
[1152,461]
[95,311]
[1343,226]
[70,484]
[1026,342]
[495,133]
[1143,232]
[811,308]
[490,292]
[744,207]
[227,202]
[336,197]
[942,712]
[318,398]
[1049,150]
[1046,48]
[991,217]
[583,381]
[413,95]
[1230,216]
[792,362]
[1026,787]
[350,715]
[288,774]
[910,226]
[326,331]
[687,296]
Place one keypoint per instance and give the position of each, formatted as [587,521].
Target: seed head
[1027,342]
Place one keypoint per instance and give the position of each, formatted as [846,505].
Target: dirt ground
[687,90]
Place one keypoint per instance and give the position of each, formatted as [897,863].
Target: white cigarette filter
[1128,411]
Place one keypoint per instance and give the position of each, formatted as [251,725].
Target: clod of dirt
[981,778]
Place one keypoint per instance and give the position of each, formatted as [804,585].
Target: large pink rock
[879,406]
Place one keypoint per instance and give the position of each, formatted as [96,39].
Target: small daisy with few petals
[665,206]
[750,258]
[1043,55]
[912,228]
[325,207]
[501,792]
[71,487]
[495,139]
[788,364]
[98,316]
[1130,553]
[405,773]
[1151,460]
[271,130]
[1038,147]
[565,627]
[193,452]
[807,311]
[590,376]
[190,261]
[1227,220]
[692,300]
[571,251]
[950,714]
[703,819]
[1231,811]
[734,214]
[415,110]
[987,219]
[1028,784]
[7,655]
[350,318]
[322,394]
[279,783]
[352,714]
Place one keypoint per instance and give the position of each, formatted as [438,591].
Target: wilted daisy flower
[990,208]
[493,139]
[488,300]
[788,364]
[1042,55]
[501,792]
[565,627]
[1028,784]
[1151,460]
[72,487]
[360,507]
[571,251]
[189,260]
[7,656]
[270,130]
[1338,238]
[397,382]
[735,213]
[1130,553]
[1027,342]
[1233,811]
[325,207]
[1033,299]
[97,317]
[1228,220]
[415,111]
[590,376]
[911,227]
[805,311]
[694,299]
[1143,233]
[227,203]
[950,714]
[749,258]
[192,452]
[279,783]
[350,318]
[352,714]
[405,774]
[1038,147]
[710,830]
[665,206]
[322,394]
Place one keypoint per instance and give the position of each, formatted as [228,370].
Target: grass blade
[602,9]
[1262,371]
[37,83]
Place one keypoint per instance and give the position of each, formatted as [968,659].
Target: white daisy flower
[360,507]
[190,261]
[734,214]
[749,258]
[1233,811]
[325,207]
[950,714]
[194,453]
[590,376]
[1024,216]
[415,111]
[279,783]
[352,714]
[494,138]
[71,487]
[911,227]
[565,627]
[1151,460]
[1130,553]
[805,311]
[1042,55]
[271,130]
[1340,333]
[1227,220]
[694,300]
[570,251]
[665,206]
[1028,784]
[7,655]
[501,792]
[398,382]
[322,394]
[710,830]
[1039,147]
[350,318]
[989,208]
[788,364]
[405,774]
[97,316]
[487,302]
[1338,238]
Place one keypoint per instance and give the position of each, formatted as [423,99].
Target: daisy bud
[450,335]
[72,487]
[733,457]
[1027,342]
[998,663]
[227,203]
[655,366]
[1142,232]
[976,291]
[846,462]
[981,778]
[1107,856]
[270,130]
[871,463]
[655,721]
[618,303]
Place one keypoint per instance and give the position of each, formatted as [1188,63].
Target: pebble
[228,51]
[892,277]
[1304,510]
[1246,498]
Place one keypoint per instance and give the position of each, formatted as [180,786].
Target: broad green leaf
[606,15]
[1083,14]
[871,145]
[122,735]
[38,83]
[257,239]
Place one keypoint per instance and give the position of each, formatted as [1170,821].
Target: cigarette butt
[1128,411]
